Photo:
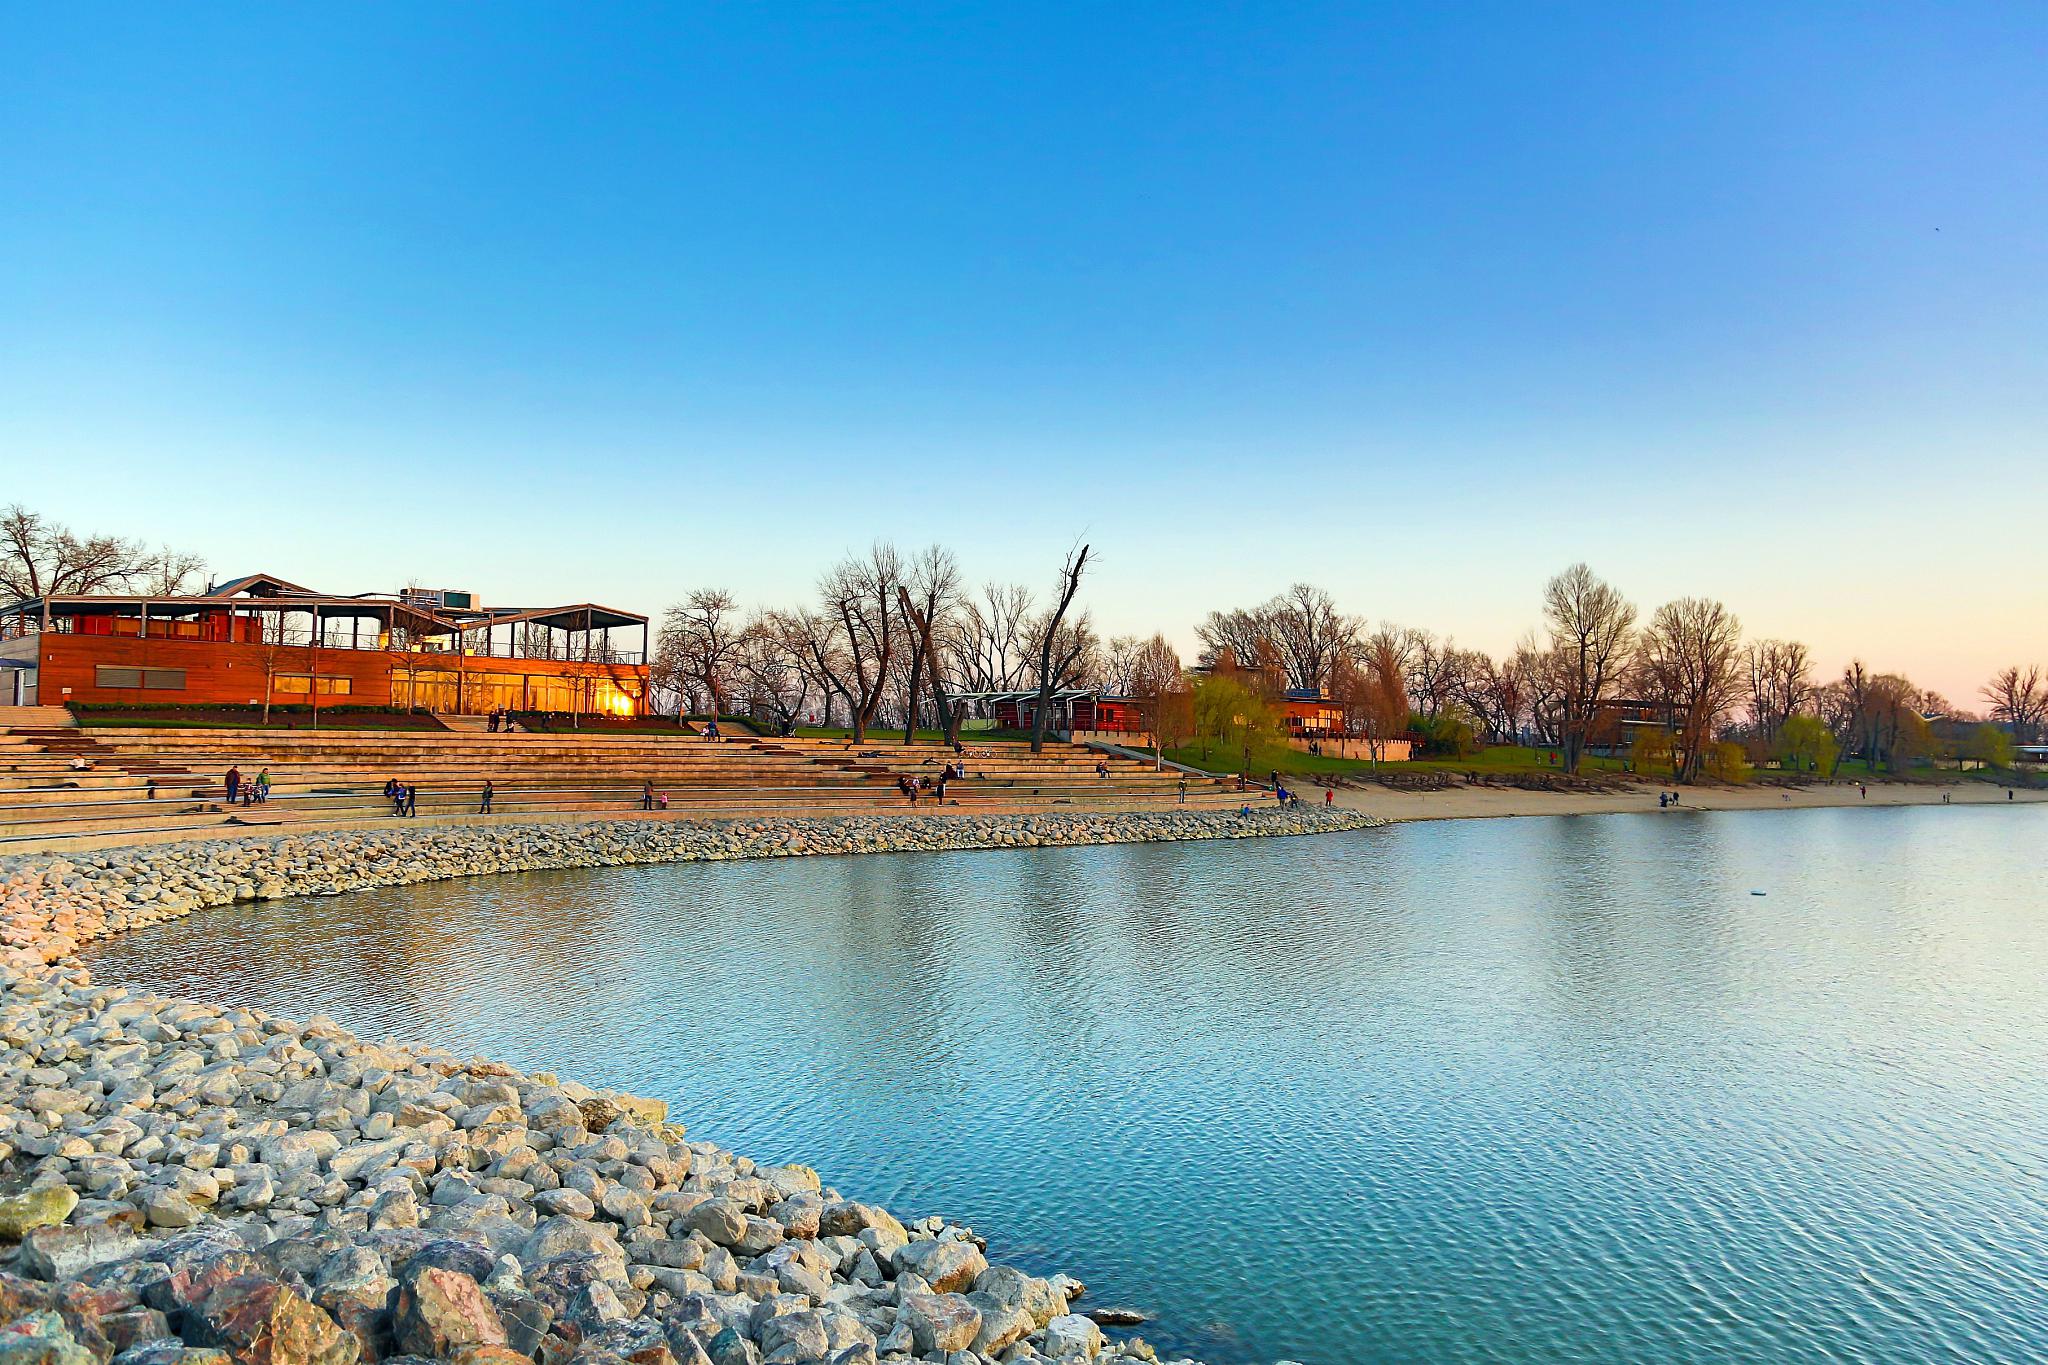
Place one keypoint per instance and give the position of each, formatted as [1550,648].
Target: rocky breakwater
[51,904]
[196,1185]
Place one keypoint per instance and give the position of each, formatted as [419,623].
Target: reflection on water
[1547,1090]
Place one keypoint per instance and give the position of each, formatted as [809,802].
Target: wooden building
[1069,709]
[1308,713]
[262,639]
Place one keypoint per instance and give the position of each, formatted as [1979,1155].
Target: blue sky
[1419,303]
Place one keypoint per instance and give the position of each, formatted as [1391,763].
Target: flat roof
[582,615]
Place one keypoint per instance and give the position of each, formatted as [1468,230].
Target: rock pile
[213,1186]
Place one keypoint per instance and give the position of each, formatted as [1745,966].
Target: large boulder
[1040,1300]
[848,1219]
[940,1322]
[44,1206]
[1072,1337]
[949,1267]
[65,1253]
[721,1221]
[41,1339]
[565,1236]
[260,1321]
[439,1310]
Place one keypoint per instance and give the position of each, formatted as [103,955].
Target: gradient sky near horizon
[1420,303]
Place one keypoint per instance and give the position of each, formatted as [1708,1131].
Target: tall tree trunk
[1070,584]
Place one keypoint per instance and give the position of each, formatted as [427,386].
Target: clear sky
[1420,303]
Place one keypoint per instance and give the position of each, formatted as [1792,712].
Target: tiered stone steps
[164,780]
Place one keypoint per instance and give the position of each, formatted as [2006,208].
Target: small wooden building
[1068,709]
[262,639]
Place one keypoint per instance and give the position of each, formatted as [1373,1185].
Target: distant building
[262,638]
[1619,720]
[1308,713]
[1068,709]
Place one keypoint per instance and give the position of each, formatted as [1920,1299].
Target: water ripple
[1535,1090]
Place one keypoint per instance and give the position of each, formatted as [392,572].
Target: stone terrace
[167,782]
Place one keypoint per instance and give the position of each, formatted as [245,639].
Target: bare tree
[2019,698]
[1311,635]
[1431,675]
[860,594]
[930,596]
[1058,649]
[1159,685]
[1243,636]
[1375,694]
[699,640]
[1497,694]
[1778,685]
[1119,658]
[169,573]
[40,558]
[769,664]
[1690,656]
[819,646]
[1591,628]
[987,640]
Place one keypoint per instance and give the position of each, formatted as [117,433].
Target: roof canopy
[582,616]
[268,592]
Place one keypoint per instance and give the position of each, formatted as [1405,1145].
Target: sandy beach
[1467,803]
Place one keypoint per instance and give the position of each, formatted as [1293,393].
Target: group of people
[650,799]
[403,796]
[911,786]
[501,720]
[241,791]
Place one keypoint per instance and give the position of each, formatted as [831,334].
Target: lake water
[1507,1090]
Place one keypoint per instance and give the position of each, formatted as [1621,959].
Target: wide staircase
[108,783]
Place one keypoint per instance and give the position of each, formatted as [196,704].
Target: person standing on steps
[647,796]
[483,805]
[1183,789]
[234,784]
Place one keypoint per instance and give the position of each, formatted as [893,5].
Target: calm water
[1526,1090]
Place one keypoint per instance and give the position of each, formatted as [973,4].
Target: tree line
[892,640]
[1714,699]
[898,640]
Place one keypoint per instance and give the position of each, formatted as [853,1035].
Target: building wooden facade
[261,640]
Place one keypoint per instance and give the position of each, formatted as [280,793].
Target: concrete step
[36,717]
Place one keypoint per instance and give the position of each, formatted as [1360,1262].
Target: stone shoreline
[183,1183]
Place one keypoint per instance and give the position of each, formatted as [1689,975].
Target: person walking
[234,784]
[1183,789]
[412,800]
[483,805]
[646,796]
[1329,796]
[262,786]
[1863,791]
